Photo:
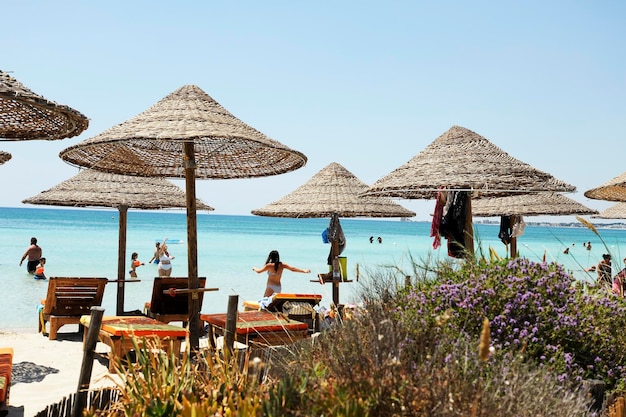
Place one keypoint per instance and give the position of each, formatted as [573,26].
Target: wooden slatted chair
[171,307]
[68,299]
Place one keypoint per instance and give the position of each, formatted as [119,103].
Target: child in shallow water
[134,263]
[39,270]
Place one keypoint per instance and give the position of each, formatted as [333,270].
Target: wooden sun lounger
[69,298]
[279,299]
[169,305]
[308,315]
[118,332]
[260,328]
[6,368]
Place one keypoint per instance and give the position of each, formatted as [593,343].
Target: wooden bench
[6,368]
[68,299]
[122,333]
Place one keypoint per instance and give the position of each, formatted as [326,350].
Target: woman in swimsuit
[275,268]
[165,261]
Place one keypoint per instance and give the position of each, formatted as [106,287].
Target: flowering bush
[536,309]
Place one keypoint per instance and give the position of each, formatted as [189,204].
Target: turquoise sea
[84,242]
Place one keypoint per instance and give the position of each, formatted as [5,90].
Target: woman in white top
[165,261]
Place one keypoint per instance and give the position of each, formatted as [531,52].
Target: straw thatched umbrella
[535,204]
[612,190]
[462,160]
[333,191]
[4,157]
[616,211]
[25,115]
[91,188]
[186,135]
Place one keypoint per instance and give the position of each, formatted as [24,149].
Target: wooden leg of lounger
[175,346]
[54,327]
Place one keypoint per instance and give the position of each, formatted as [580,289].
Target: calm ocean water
[83,242]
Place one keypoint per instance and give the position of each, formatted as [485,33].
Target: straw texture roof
[617,211]
[536,204]
[4,157]
[612,190]
[151,143]
[460,159]
[91,188]
[25,115]
[334,189]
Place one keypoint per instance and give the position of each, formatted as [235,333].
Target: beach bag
[301,311]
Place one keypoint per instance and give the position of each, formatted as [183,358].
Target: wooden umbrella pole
[513,238]
[192,245]
[469,228]
[121,260]
[335,250]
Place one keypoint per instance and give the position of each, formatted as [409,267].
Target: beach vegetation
[506,337]
[156,383]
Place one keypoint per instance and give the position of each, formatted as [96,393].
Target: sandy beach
[45,371]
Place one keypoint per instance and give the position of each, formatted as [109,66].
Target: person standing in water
[155,257]
[134,263]
[33,253]
[275,268]
[165,261]
[604,271]
[39,271]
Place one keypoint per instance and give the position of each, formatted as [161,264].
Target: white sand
[49,369]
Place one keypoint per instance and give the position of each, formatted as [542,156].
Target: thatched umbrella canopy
[25,115]
[333,192]
[91,188]
[186,135]
[4,157]
[612,190]
[462,160]
[537,204]
[616,211]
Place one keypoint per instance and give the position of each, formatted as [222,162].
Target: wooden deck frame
[122,333]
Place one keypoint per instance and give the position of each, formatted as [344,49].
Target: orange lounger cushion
[251,305]
[256,322]
[137,326]
[6,368]
[6,351]
[297,297]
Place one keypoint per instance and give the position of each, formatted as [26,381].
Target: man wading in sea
[33,252]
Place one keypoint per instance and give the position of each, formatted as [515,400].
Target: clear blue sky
[365,84]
